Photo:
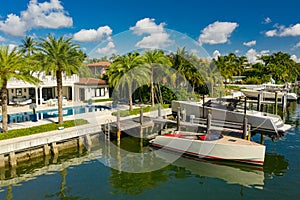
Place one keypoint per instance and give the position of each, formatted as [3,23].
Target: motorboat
[268,91]
[211,146]
[259,121]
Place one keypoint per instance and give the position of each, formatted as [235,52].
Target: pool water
[45,114]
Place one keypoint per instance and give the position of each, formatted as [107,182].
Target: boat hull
[268,95]
[227,148]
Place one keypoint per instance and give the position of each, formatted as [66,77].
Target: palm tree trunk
[152,88]
[59,96]
[4,107]
[130,97]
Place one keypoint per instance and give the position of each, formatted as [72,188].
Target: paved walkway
[95,118]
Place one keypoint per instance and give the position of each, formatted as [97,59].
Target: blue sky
[250,28]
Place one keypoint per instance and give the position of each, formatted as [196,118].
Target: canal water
[107,172]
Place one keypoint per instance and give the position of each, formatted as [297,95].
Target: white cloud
[92,35]
[155,41]
[252,55]
[250,43]
[11,47]
[38,15]
[147,26]
[216,54]
[295,58]
[2,39]
[108,49]
[296,45]
[267,20]
[217,33]
[13,25]
[157,36]
[291,31]
[282,31]
[271,33]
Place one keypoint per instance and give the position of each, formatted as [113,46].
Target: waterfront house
[99,68]
[91,88]
[74,89]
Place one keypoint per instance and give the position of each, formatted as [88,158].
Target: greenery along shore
[150,77]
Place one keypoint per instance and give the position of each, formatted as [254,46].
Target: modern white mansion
[75,89]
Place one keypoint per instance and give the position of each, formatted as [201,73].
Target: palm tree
[58,56]
[28,46]
[12,65]
[125,71]
[155,60]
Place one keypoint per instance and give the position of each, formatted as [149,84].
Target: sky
[207,28]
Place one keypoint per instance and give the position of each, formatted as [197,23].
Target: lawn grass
[41,129]
[136,111]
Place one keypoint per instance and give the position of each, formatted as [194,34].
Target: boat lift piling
[208,123]
[276,102]
[178,119]
[118,128]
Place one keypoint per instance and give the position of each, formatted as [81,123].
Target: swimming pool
[45,114]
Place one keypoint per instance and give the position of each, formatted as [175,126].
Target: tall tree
[123,74]
[28,46]
[155,60]
[12,65]
[58,56]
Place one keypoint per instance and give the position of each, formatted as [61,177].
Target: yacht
[221,111]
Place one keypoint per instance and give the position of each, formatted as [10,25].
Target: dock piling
[208,123]
[12,160]
[178,119]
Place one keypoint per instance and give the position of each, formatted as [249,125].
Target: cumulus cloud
[11,47]
[250,43]
[157,36]
[267,20]
[107,50]
[282,31]
[216,54]
[217,33]
[92,35]
[252,55]
[38,15]
[14,26]
[295,58]
[271,33]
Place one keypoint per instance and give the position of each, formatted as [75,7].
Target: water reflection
[136,183]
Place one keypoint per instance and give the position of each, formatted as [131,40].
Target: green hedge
[41,129]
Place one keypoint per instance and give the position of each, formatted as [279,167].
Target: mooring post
[141,116]
[46,150]
[208,122]
[159,111]
[245,106]
[276,103]
[203,102]
[54,148]
[245,127]
[12,160]
[178,119]
[119,128]
[284,99]
[2,161]
[249,132]
[258,102]
[262,140]
[183,115]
